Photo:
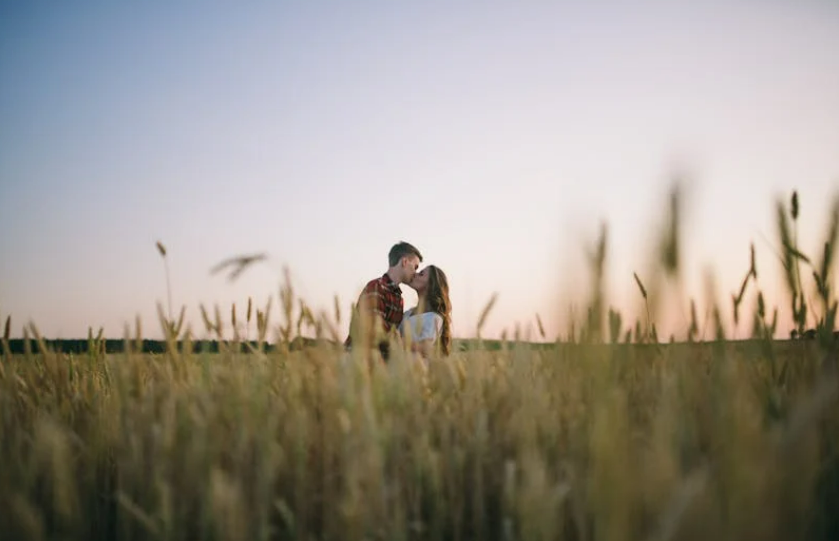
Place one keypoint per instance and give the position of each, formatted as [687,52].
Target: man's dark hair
[400,250]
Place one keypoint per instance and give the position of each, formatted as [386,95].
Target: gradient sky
[494,137]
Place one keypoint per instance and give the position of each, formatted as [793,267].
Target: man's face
[410,264]
[420,281]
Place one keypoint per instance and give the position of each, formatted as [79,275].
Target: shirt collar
[390,283]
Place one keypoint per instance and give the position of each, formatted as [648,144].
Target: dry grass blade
[831,239]
[485,313]
[718,324]
[179,325]
[99,342]
[267,314]
[27,344]
[640,285]
[743,286]
[786,243]
[206,319]
[260,326]
[301,317]
[679,503]
[651,330]
[593,330]
[42,346]
[255,350]
[7,351]
[133,510]
[287,301]
[797,255]
[821,287]
[540,326]
[821,398]
[219,326]
[238,265]
[331,329]
[138,334]
[235,325]
[165,324]
[615,325]
[162,250]
[670,253]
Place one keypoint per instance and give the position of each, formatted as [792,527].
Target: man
[380,305]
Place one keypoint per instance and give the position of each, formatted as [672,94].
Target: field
[610,434]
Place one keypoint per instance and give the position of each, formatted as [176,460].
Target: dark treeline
[111,346]
[81,346]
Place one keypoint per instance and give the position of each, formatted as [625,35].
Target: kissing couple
[378,315]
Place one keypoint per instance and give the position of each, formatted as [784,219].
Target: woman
[429,322]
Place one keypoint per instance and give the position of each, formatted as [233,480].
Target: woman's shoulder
[432,318]
[411,313]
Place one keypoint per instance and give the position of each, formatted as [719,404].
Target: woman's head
[432,287]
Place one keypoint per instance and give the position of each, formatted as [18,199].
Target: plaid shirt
[384,299]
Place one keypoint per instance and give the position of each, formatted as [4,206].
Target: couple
[428,323]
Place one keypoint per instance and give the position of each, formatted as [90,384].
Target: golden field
[608,436]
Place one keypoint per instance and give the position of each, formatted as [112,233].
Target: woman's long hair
[437,300]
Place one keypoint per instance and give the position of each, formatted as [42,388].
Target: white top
[425,326]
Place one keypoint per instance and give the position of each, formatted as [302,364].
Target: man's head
[404,260]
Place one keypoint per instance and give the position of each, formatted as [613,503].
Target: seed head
[640,285]
[541,327]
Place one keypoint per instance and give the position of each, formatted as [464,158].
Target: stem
[802,325]
[168,289]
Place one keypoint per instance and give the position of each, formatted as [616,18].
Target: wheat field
[609,434]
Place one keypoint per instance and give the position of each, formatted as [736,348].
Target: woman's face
[420,281]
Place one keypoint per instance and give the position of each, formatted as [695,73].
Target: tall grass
[591,439]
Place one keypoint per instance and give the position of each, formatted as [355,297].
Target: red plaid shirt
[384,299]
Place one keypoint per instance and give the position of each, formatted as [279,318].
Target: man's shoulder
[381,283]
[374,284]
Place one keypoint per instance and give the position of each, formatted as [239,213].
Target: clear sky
[495,137]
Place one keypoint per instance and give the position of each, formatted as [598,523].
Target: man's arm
[371,312]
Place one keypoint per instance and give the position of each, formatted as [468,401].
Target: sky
[496,137]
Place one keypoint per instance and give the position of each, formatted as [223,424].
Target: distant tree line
[82,346]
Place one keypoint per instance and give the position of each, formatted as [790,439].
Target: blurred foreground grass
[578,442]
